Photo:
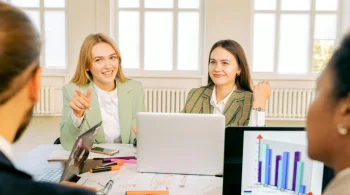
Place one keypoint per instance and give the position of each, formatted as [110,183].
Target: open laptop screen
[265,160]
[80,153]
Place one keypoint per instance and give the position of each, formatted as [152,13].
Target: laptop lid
[80,153]
[267,160]
[180,143]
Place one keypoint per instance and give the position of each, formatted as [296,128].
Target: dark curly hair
[340,66]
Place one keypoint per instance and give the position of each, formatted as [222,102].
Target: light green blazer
[237,109]
[130,99]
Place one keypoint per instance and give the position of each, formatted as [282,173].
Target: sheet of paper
[127,178]
[124,150]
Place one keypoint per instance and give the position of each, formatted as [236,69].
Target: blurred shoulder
[197,92]
[133,83]
[70,85]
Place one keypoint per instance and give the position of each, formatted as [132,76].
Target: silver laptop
[180,143]
[77,159]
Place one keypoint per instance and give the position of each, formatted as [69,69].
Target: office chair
[57,141]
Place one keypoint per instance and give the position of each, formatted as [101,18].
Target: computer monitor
[270,160]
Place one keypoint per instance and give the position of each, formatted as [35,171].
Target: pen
[108,187]
[103,169]
[147,192]
[117,162]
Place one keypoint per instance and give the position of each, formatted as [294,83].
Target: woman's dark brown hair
[243,81]
[19,48]
[339,65]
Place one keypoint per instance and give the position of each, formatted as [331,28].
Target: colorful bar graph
[285,164]
[284,169]
[278,157]
[263,165]
[296,159]
[299,177]
[268,166]
[302,189]
[259,172]
[280,174]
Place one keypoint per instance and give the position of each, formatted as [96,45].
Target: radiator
[289,104]
[165,100]
[47,103]
[284,103]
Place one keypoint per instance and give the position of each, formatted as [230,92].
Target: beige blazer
[340,185]
[237,110]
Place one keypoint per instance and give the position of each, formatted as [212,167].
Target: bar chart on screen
[279,167]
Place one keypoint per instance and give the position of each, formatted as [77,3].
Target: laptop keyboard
[51,175]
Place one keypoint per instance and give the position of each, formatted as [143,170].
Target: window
[158,36]
[294,36]
[48,17]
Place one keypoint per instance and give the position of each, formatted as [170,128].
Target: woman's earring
[342,130]
[238,75]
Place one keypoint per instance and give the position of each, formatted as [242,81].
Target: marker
[147,192]
[104,169]
[117,157]
[131,161]
[121,157]
[117,162]
[111,160]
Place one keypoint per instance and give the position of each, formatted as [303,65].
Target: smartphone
[104,151]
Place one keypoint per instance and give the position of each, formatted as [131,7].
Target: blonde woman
[99,91]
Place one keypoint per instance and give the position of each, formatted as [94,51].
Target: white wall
[224,19]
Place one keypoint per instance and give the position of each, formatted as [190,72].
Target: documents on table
[127,178]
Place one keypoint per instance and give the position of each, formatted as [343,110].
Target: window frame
[141,72]
[310,75]
[56,70]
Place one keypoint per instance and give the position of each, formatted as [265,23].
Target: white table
[127,178]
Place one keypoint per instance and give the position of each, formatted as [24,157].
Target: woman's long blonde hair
[82,76]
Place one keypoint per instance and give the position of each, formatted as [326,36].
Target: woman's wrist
[78,115]
[259,105]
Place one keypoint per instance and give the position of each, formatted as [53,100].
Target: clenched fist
[261,92]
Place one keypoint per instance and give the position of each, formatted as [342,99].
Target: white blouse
[257,118]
